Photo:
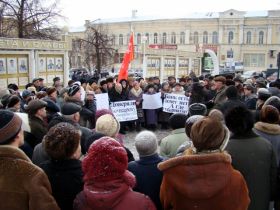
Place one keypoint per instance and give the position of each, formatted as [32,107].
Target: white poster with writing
[124,110]
[102,101]
[152,101]
[174,103]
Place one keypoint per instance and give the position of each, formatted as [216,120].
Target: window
[173,38]
[120,39]
[195,37]
[138,38]
[164,38]
[147,38]
[155,38]
[261,35]
[182,38]
[248,37]
[205,37]
[230,37]
[215,37]
[254,60]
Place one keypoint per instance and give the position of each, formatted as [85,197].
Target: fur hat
[146,143]
[220,79]
[10,125]
[273,101]
[70,108]
[101,112]
[197,109]
[73,89]
[177,120]
[13,100]
[106,160]
[216,114]
[209,135]
[107,125]
[51,105]
[62,141]
[35,105]
[189,123]
[50,90]
[263,94]
[231,92]
[269,114]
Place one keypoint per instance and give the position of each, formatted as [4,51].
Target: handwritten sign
[175,104]
[102,101]
[152,101]
[124,110]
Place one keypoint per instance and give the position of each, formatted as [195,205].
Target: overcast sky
[77,11]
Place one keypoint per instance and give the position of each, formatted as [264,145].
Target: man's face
[218,85]
[42,112]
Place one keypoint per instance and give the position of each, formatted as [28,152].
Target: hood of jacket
[198,176]
[273,129]
[107,195]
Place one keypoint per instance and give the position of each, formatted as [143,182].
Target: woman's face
[136,85]
[123,84]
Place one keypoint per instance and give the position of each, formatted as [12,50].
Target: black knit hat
[51,106]
[13,100]
[103,82]
[177,120]
[70,108]
[197,109]
[73,89]
[10,125]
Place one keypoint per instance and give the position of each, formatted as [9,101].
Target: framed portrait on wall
[22,65]
[3,66]
[50,64]
[58,64]
[42,64]
[12,65]
[3,83]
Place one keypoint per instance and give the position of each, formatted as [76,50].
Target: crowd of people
[57,151]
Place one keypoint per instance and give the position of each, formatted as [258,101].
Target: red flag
[128,57]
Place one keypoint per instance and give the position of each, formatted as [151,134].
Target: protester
[151,114]
[163,117]
[107,182]
[178,89]
[204,178]
[219,86]
[62,144]
[268,127]
[250,98]
[170,144]
[253,156]
[14,103]
[23,185]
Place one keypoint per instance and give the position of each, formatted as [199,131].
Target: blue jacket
[148,177]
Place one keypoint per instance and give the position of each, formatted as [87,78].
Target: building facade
[167,47]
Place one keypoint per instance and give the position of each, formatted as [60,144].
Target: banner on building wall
[124,110]
[174,103]
[152,101]
[102,101]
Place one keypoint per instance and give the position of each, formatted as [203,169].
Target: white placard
[174,103]
[22,65]
[3,83]
[124,110]
[22,81]
[3,66]
[13,80]
[152,101]
[102,101]
[12,65]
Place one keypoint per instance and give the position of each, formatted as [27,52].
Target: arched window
[248,37]
[230,37]
[138,38]
[164,38]
[147,38]
[120,39]
[261,35]
[155,38]
[182,37]
[195,37]
[173,38]
[215,37]
[205,37]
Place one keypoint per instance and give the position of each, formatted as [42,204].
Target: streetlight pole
[144,65]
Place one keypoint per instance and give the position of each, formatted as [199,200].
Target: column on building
[177,66]
[221,34]
[241,34]
[269,35]
[187,37]
[161,71]
[66,69]
[32,71]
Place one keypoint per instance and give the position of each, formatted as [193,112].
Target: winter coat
[200,182]
[148,177]
[230,104]
[38,130]
[220,96]
[170,144]
[251,101]
[270,132]
[114,95]
[112,195]
[66,178]
[138,97]
[151,114]
[254,157]
[87,114]
[23,185]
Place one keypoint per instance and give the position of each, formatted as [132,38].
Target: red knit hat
[106,160]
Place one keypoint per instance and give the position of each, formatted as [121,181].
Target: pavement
[129,139]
